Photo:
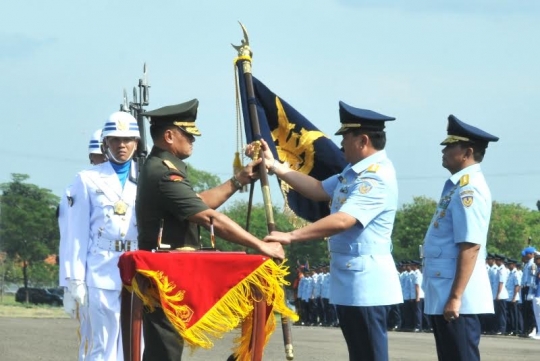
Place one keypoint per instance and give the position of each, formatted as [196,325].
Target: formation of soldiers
[516,295]
[312,297]
[513,283]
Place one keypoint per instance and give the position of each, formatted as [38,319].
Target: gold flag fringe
[233,308]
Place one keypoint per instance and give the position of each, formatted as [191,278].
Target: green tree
[201,180]
[510,227]
[28,225]
[412,221]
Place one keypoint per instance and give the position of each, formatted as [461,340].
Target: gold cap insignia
[122,124]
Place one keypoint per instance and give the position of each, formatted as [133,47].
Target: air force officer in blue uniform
[456,284]
[363,278]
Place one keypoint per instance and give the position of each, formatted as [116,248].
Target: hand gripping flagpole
[244,56]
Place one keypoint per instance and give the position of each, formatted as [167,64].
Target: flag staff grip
[244,56]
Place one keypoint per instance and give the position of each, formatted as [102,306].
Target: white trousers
[105,340]
[84,331]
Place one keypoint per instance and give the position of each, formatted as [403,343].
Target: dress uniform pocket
[439,271]
[344,263]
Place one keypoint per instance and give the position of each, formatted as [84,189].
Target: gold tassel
[237,167]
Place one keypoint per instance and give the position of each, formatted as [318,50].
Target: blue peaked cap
[459,131]
[356,118]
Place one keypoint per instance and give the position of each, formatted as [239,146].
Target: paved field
[28,339]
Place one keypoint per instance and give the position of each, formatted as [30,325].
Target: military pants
[162,341]
[457,340]
[364,329]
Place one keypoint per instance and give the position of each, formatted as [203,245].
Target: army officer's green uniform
[164,193]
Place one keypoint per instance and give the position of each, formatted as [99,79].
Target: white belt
[117,245]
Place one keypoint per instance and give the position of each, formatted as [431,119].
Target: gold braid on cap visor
[188,127]
[455,138]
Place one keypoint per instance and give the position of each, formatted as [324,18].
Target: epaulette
[373,168]
[464,180]
[169,164]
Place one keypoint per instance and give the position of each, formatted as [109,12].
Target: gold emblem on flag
[120,208]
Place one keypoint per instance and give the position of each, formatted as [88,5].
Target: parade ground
[55,339]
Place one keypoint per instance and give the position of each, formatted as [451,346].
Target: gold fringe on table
[234,307]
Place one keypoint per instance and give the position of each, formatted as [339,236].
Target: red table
[199,291]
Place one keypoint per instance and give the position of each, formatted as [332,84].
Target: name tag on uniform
[99,191]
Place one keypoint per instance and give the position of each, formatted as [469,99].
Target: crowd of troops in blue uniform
[513,286]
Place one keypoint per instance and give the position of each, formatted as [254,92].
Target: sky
[64,66]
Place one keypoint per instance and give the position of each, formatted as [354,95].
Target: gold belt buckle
[118,246]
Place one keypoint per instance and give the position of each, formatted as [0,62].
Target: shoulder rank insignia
[464,180]
[373,168]
[176,178]
[169,164]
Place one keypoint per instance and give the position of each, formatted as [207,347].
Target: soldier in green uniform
[167,201]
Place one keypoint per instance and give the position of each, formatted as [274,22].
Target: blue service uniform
[462,215]
[361,256]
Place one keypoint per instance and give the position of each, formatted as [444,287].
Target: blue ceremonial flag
[295,140]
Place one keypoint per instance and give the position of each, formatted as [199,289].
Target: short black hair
[157,130]
[479,149]
[377,137]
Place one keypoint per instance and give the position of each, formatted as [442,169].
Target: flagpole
[244,56]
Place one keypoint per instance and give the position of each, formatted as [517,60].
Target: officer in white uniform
[65,248]
[456,283]
[363,208]
[102,227]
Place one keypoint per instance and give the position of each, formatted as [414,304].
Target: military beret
[528,250]
[356,118]
[459,131]
[182,115]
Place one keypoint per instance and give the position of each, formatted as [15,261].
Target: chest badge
[120,208]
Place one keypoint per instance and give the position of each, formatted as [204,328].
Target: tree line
[29,229]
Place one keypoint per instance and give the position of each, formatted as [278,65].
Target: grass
[10,308]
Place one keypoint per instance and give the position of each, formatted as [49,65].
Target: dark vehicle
[57,291]
[39,296]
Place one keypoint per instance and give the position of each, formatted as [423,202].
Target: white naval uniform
[65,255]
[102,220]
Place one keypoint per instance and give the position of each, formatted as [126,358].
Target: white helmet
[95,143]
[121,124]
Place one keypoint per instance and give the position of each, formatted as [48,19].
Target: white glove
[70,307]
[537,300]
[78,291]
